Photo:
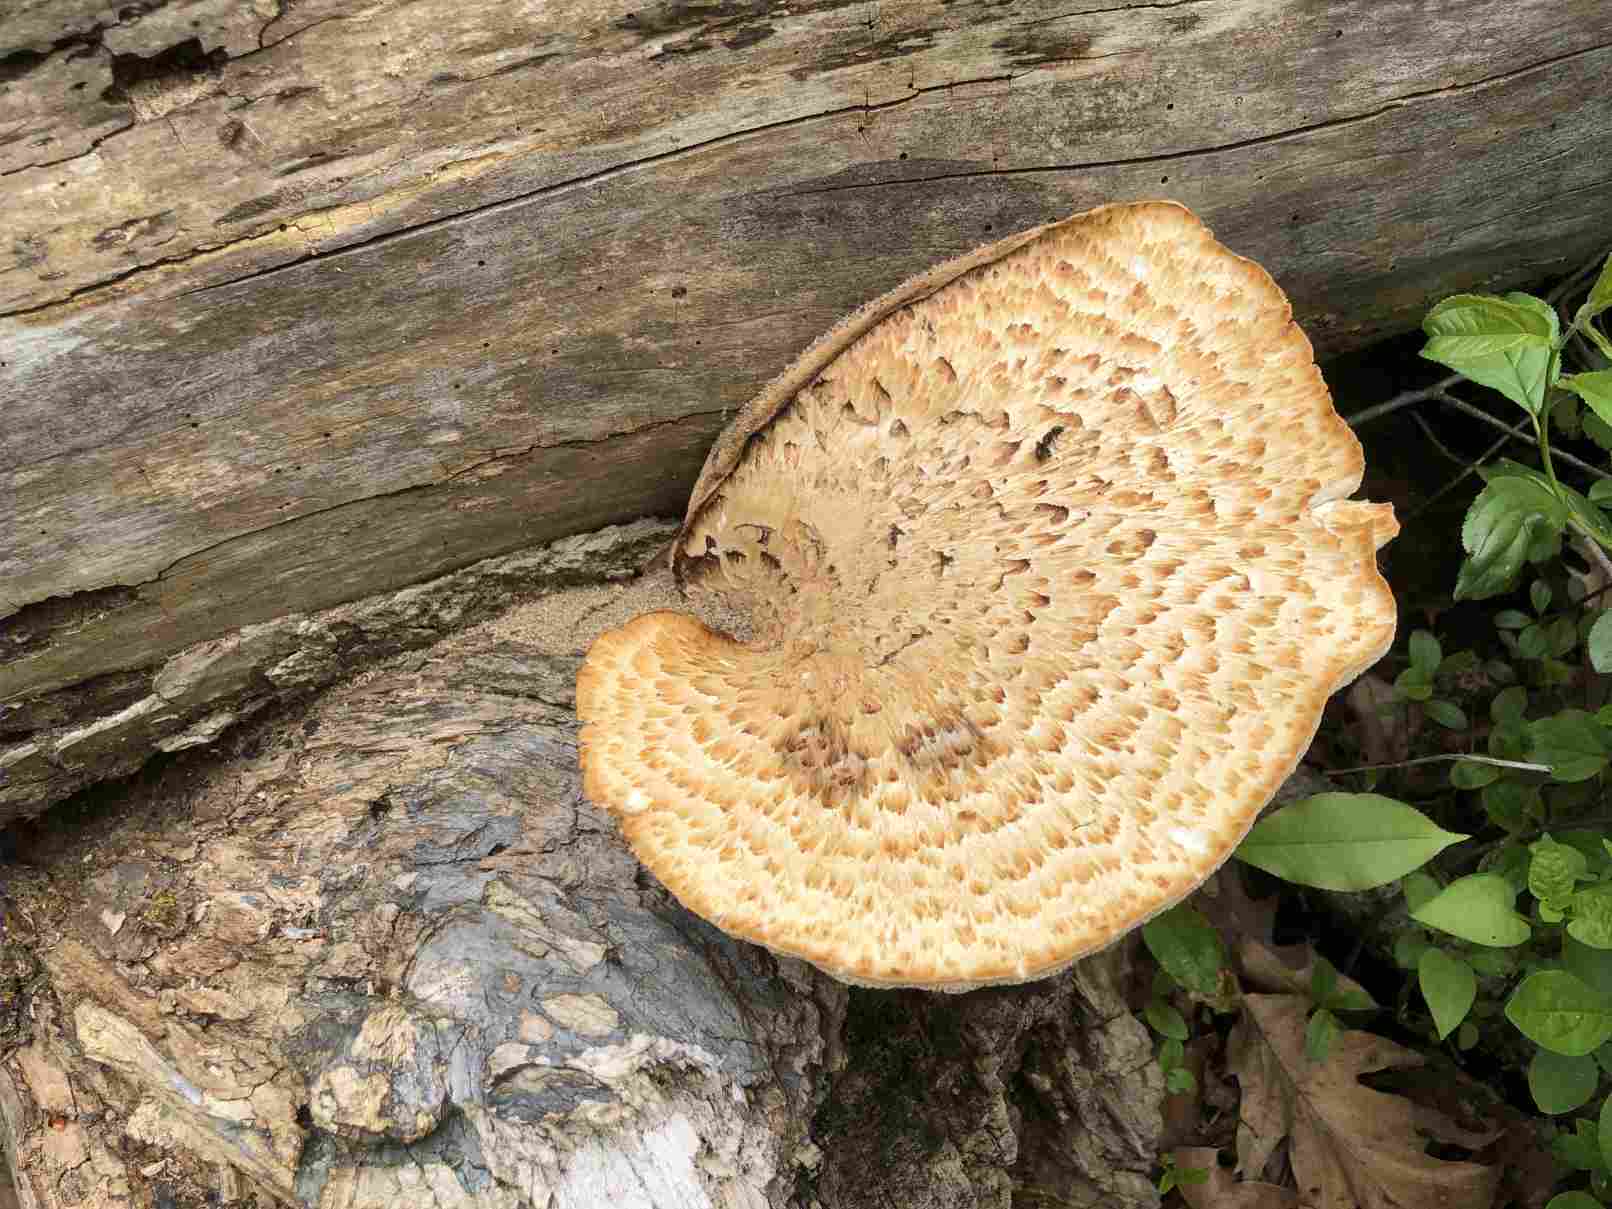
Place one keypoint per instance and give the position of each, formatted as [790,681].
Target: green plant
[1507,940]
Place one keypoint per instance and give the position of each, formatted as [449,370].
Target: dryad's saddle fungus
[1050,568]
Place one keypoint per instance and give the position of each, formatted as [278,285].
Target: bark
[304,303]
[377,950]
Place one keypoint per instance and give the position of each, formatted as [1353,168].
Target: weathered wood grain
[346,296]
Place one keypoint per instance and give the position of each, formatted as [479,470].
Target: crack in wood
[1220,148]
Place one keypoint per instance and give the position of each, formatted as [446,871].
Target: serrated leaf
[1599,431]
[1449,986]
[1479,908]
[1425,652]
[1599,643]
[1572,742]
[1561,1083]
[1595,388]
[1447,714]
[1187,947]
[1557,1010]
[1344,841]
[1592,917]
[1502,529]
[1165,1019]
[1502,343]
[1600,295]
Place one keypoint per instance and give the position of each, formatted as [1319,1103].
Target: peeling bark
[378,950]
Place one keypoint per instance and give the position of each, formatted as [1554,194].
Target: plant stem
[1403,399]
[1520,765]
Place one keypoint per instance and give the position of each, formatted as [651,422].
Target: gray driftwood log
[377,950]
[300,303]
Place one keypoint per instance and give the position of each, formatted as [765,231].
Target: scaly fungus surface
[1050,568]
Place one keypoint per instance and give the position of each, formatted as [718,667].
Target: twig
[1460,478]
[1404,398]
[1522,434]
[1440,759]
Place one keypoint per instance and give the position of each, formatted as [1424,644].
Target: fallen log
[378,950]
[306,303]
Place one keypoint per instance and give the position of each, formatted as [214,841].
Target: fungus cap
[1050,569]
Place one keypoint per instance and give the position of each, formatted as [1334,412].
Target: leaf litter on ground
[1349,1146]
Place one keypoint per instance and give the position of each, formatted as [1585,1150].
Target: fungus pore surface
[1050,570]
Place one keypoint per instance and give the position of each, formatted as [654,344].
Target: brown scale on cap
[1050,569]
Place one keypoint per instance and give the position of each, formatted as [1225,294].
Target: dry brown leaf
[1223,1190]
[1350,1147]
[1287,968]
[1384,736]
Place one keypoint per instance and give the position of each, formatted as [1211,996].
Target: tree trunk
[305,302]
[380,951]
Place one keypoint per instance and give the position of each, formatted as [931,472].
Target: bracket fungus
[1049,568]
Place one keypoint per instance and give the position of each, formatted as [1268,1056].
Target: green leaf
[1600,642]
[1572,742]
[1603,1133]
[1599,431]
[1181,1082]
[1512,619]
[1344,841]
[1509,803]
[1600,296]
[1425,652]
[1511,864]
[1556,1010]
[1492,963]
[1506,344]
[1539,595]
[1171,1054]
[1449,986]
[1554,870]
[1502,528]
[1165,1019]
[1466,1036]
[1579,1150]
[1447,714]
[1533,643]
[1319,1034]
[1479,908]
[1592,917]
[1413,684]
[1187,947]
[1594,388]
[1592,966]
[1572,1200]
[1408,949]
[1469,774]
[1561,635]
[1509,704]
[1561,1083]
